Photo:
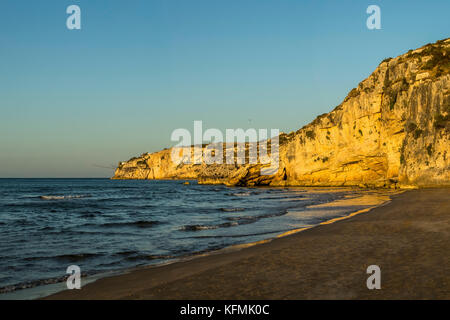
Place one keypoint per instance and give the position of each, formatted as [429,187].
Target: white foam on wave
[62,197]
[241,194]
[232,209]
[197,227]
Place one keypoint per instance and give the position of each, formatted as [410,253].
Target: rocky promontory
[392,130]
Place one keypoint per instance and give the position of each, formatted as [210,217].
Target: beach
[408,238]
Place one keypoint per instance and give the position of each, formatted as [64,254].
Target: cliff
[391,131]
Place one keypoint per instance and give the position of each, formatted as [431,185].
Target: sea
[110,226]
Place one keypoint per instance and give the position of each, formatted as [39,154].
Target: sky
[73,103]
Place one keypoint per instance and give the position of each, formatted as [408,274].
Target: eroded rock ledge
[391,131]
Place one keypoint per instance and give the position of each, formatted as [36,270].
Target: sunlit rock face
[391,131]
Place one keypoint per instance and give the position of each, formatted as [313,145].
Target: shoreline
[331,263]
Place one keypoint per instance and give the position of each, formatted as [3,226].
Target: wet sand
[408,238]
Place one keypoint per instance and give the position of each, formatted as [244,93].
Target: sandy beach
[408,238]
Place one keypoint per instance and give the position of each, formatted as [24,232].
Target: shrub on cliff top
[310,134]
[439,61]
[317,119]
[353,93]
[285,138]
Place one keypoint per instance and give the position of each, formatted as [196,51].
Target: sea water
[104,225]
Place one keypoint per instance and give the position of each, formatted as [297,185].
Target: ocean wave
[140,224]
[232,209]
[228,224]
[239,235]
[23,222]
[148,257]
[233,222]
[197,227]
[126,253]
[251,219]
[31,284]
[90,214]
[35,283]
[68,197]
[64,257]
[241,194]
[284,197]
[76,256]
[242,218]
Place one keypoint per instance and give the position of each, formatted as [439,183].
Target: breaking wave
[140,224]
[63,197]
[232,209]
[197,227]
[241,194]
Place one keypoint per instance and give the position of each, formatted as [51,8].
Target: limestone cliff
[391,131]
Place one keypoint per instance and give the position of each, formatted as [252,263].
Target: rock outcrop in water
[391,131]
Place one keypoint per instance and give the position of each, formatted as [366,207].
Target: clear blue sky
[137,70]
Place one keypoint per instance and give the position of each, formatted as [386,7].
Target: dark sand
[409,238]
